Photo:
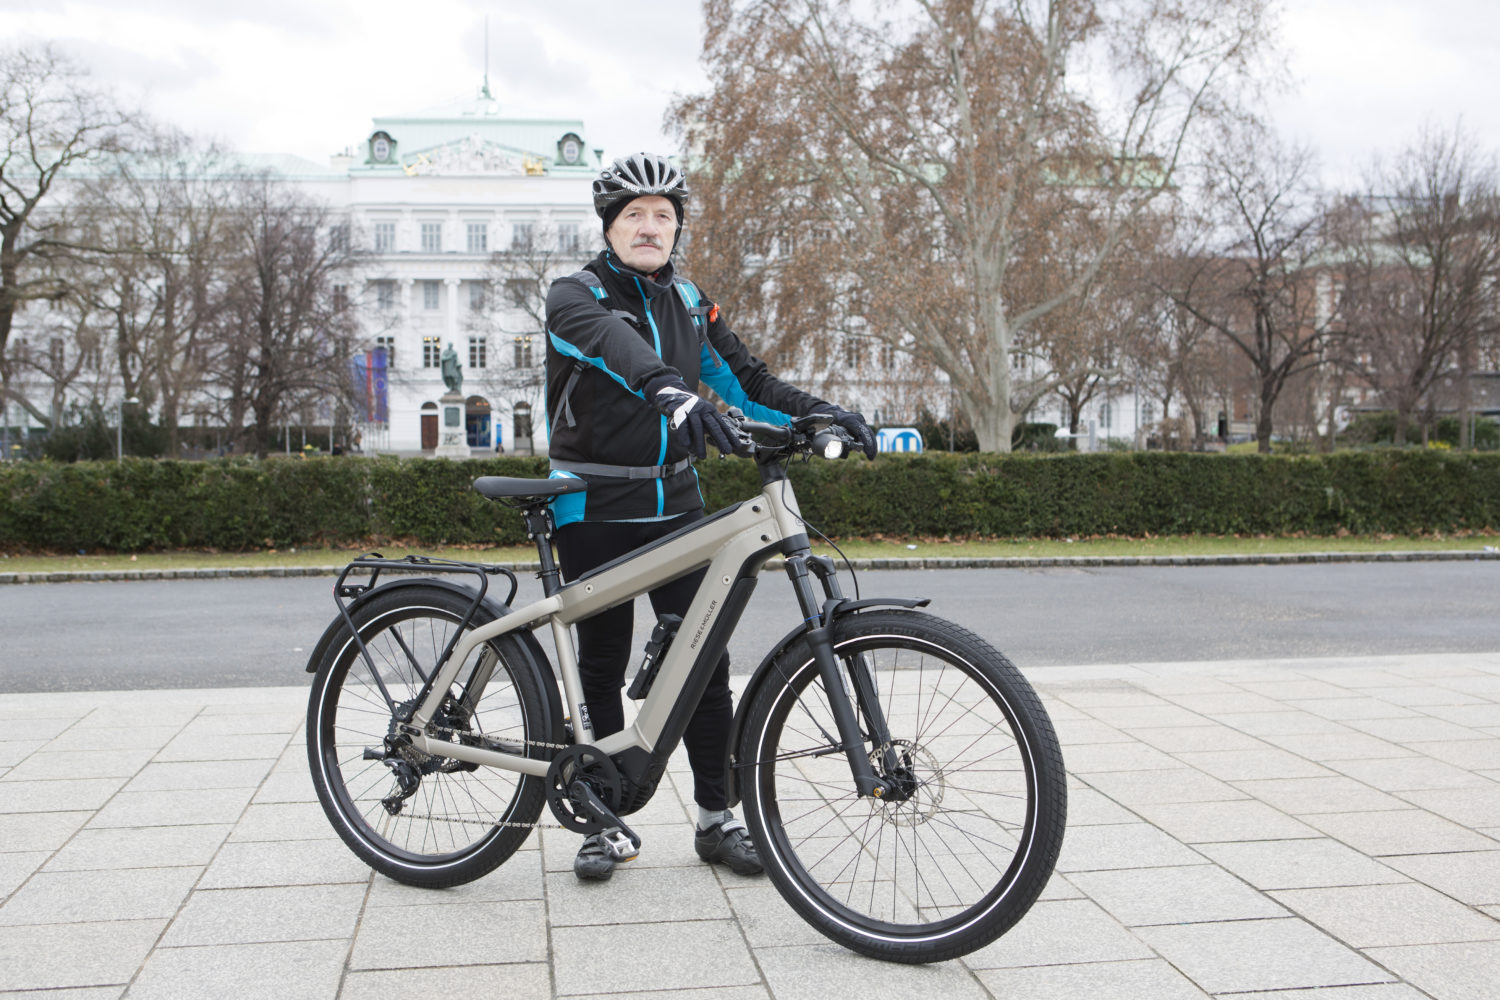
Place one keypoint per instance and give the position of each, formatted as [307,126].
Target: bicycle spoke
[959,795]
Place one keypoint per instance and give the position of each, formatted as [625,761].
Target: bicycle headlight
[833,448]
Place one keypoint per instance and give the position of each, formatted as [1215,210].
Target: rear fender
[489,609]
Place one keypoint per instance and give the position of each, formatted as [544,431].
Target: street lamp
[120,428]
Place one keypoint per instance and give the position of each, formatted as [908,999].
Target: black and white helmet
[636,175]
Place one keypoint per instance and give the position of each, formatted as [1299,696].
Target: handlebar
[815,434]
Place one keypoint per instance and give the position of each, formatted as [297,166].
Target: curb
[1000,562]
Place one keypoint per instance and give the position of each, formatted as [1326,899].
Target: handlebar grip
[775,432]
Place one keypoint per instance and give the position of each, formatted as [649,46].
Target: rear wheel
[420,818]
[961,848]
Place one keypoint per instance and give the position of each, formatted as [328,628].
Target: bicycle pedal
[620,846]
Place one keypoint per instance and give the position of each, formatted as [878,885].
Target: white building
[434,196]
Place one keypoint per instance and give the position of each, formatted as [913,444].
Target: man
[627,343]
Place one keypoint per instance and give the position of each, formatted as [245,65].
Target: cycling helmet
[636,175]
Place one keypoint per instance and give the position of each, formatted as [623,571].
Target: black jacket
[608,341]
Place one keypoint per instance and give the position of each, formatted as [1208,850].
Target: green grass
[873,548]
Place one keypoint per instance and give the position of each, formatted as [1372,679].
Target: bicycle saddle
[512,489]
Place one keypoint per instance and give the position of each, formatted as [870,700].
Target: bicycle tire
[953,865]
[449,830]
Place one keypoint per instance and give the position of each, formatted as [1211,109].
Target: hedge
[240,504]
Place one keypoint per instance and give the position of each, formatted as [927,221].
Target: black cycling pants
[605,649]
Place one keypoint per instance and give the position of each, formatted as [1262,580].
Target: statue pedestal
[453,439]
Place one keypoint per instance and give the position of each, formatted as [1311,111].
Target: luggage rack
[374,563]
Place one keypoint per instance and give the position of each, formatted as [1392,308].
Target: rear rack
[374,563]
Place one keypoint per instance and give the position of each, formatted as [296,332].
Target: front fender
[489,609]
[758,678]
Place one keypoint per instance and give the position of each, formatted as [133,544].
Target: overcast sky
[306,76]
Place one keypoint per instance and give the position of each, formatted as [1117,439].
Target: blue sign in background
[898,439]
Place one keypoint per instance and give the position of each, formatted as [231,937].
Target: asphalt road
[232,632]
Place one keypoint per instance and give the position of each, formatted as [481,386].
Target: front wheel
[420,818]
[961,848]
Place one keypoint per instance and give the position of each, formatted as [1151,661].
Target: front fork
[800,568]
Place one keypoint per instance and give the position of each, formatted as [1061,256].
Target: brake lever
[744,444]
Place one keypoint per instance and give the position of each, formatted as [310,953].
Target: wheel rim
[453,812]
[947,854]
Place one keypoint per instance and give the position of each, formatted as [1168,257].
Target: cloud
[161,69]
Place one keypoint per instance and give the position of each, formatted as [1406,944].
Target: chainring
[587,764]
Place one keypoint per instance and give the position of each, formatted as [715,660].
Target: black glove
[854,424]
[691,416]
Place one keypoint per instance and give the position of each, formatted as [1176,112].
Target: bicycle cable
[848,563]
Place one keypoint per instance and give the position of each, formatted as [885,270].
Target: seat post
[539,529]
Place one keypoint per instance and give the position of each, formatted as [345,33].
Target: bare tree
[1250,272]
[285,337]
[1422,259]
[511,314]
[74,337]
[166,214]
[51,118]
[1181,361]
[918,170]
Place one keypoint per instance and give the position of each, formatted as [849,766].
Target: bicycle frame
[733,545]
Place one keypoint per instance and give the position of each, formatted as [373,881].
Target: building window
[853,353]
[521,234]
[338,238]
[387,343]
[1148,413]
[1104,415]
[522,346]
[432,349]
[340,298]
[55,353]
[432,237]
[515,291]
[385,295]
[479,237]
[567,237]
[478,352]
[385,237]
[477,295]
[432,295]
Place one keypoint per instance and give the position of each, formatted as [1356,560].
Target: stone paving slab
[1298,830]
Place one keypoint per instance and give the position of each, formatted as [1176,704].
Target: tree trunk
[993,426]
[1263,425]
[1403,423]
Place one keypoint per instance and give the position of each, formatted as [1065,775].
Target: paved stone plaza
[1287,830]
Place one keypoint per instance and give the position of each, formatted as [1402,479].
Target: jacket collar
[612,268]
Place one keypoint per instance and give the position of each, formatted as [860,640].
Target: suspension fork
[819,620]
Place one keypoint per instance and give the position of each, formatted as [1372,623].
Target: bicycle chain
[453,735]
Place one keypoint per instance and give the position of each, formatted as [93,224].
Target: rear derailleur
[409,765]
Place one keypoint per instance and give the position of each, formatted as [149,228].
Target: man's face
[643,233]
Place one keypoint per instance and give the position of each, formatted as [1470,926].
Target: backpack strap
[701,315]
[564,410]
[694,302]
[591,281]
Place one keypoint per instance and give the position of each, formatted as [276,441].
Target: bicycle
[900,777]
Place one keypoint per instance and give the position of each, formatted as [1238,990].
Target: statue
[453,375]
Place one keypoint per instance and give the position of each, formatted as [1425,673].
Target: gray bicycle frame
[725,544]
